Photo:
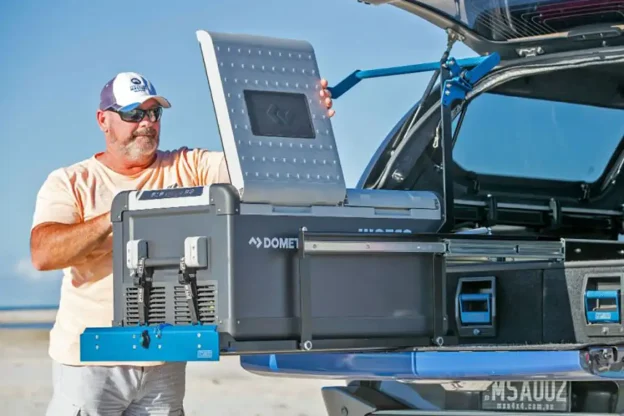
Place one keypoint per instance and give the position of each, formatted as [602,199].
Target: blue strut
[462,79]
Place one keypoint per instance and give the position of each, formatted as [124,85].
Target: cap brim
[161,100]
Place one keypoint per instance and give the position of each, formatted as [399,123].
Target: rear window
[531,138]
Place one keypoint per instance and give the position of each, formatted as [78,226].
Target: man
[72,230]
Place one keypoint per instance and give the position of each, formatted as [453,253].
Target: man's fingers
[78,281]
[325,93]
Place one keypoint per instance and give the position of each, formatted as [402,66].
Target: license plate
[529,396]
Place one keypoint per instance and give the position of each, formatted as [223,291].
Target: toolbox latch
[602,306]
[602,300]
[475,306]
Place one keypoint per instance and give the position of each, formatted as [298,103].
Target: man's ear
[102,120]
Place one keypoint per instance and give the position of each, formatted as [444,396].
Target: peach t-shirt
[85,190]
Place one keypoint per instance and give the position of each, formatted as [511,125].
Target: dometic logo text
[283,243]
[384,230]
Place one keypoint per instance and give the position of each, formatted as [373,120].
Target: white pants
[118,391]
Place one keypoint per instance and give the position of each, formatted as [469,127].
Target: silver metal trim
[450,248]
[499,248]
[312,246]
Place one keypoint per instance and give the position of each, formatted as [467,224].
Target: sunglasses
[136,115]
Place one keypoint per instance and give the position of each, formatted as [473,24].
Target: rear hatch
[516,28]
[541,151]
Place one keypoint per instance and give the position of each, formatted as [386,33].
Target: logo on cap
[138,85]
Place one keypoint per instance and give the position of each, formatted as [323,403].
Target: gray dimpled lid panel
[276,135]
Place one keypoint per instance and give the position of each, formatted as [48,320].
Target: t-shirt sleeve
[211,167]
[56,201]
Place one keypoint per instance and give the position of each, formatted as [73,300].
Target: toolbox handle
[162,262]
[602,294]
[195,254]
[475,317]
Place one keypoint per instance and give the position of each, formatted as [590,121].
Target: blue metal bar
[355,77]
[422,365]
[150,343]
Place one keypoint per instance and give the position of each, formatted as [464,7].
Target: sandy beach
[221,388]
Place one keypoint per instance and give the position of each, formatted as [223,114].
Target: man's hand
[327,95]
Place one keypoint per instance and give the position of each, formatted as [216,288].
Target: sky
[56,56]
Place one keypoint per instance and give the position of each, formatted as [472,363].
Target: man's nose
[146,122]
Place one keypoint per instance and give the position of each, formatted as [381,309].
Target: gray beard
[138,148]
[136,151]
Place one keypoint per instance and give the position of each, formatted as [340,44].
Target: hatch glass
[538,139]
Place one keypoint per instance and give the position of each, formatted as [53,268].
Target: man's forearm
[56,246]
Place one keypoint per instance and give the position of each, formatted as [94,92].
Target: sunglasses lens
[136,115]
[155,114]
[132,115]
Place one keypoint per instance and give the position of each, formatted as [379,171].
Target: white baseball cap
[127,91]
